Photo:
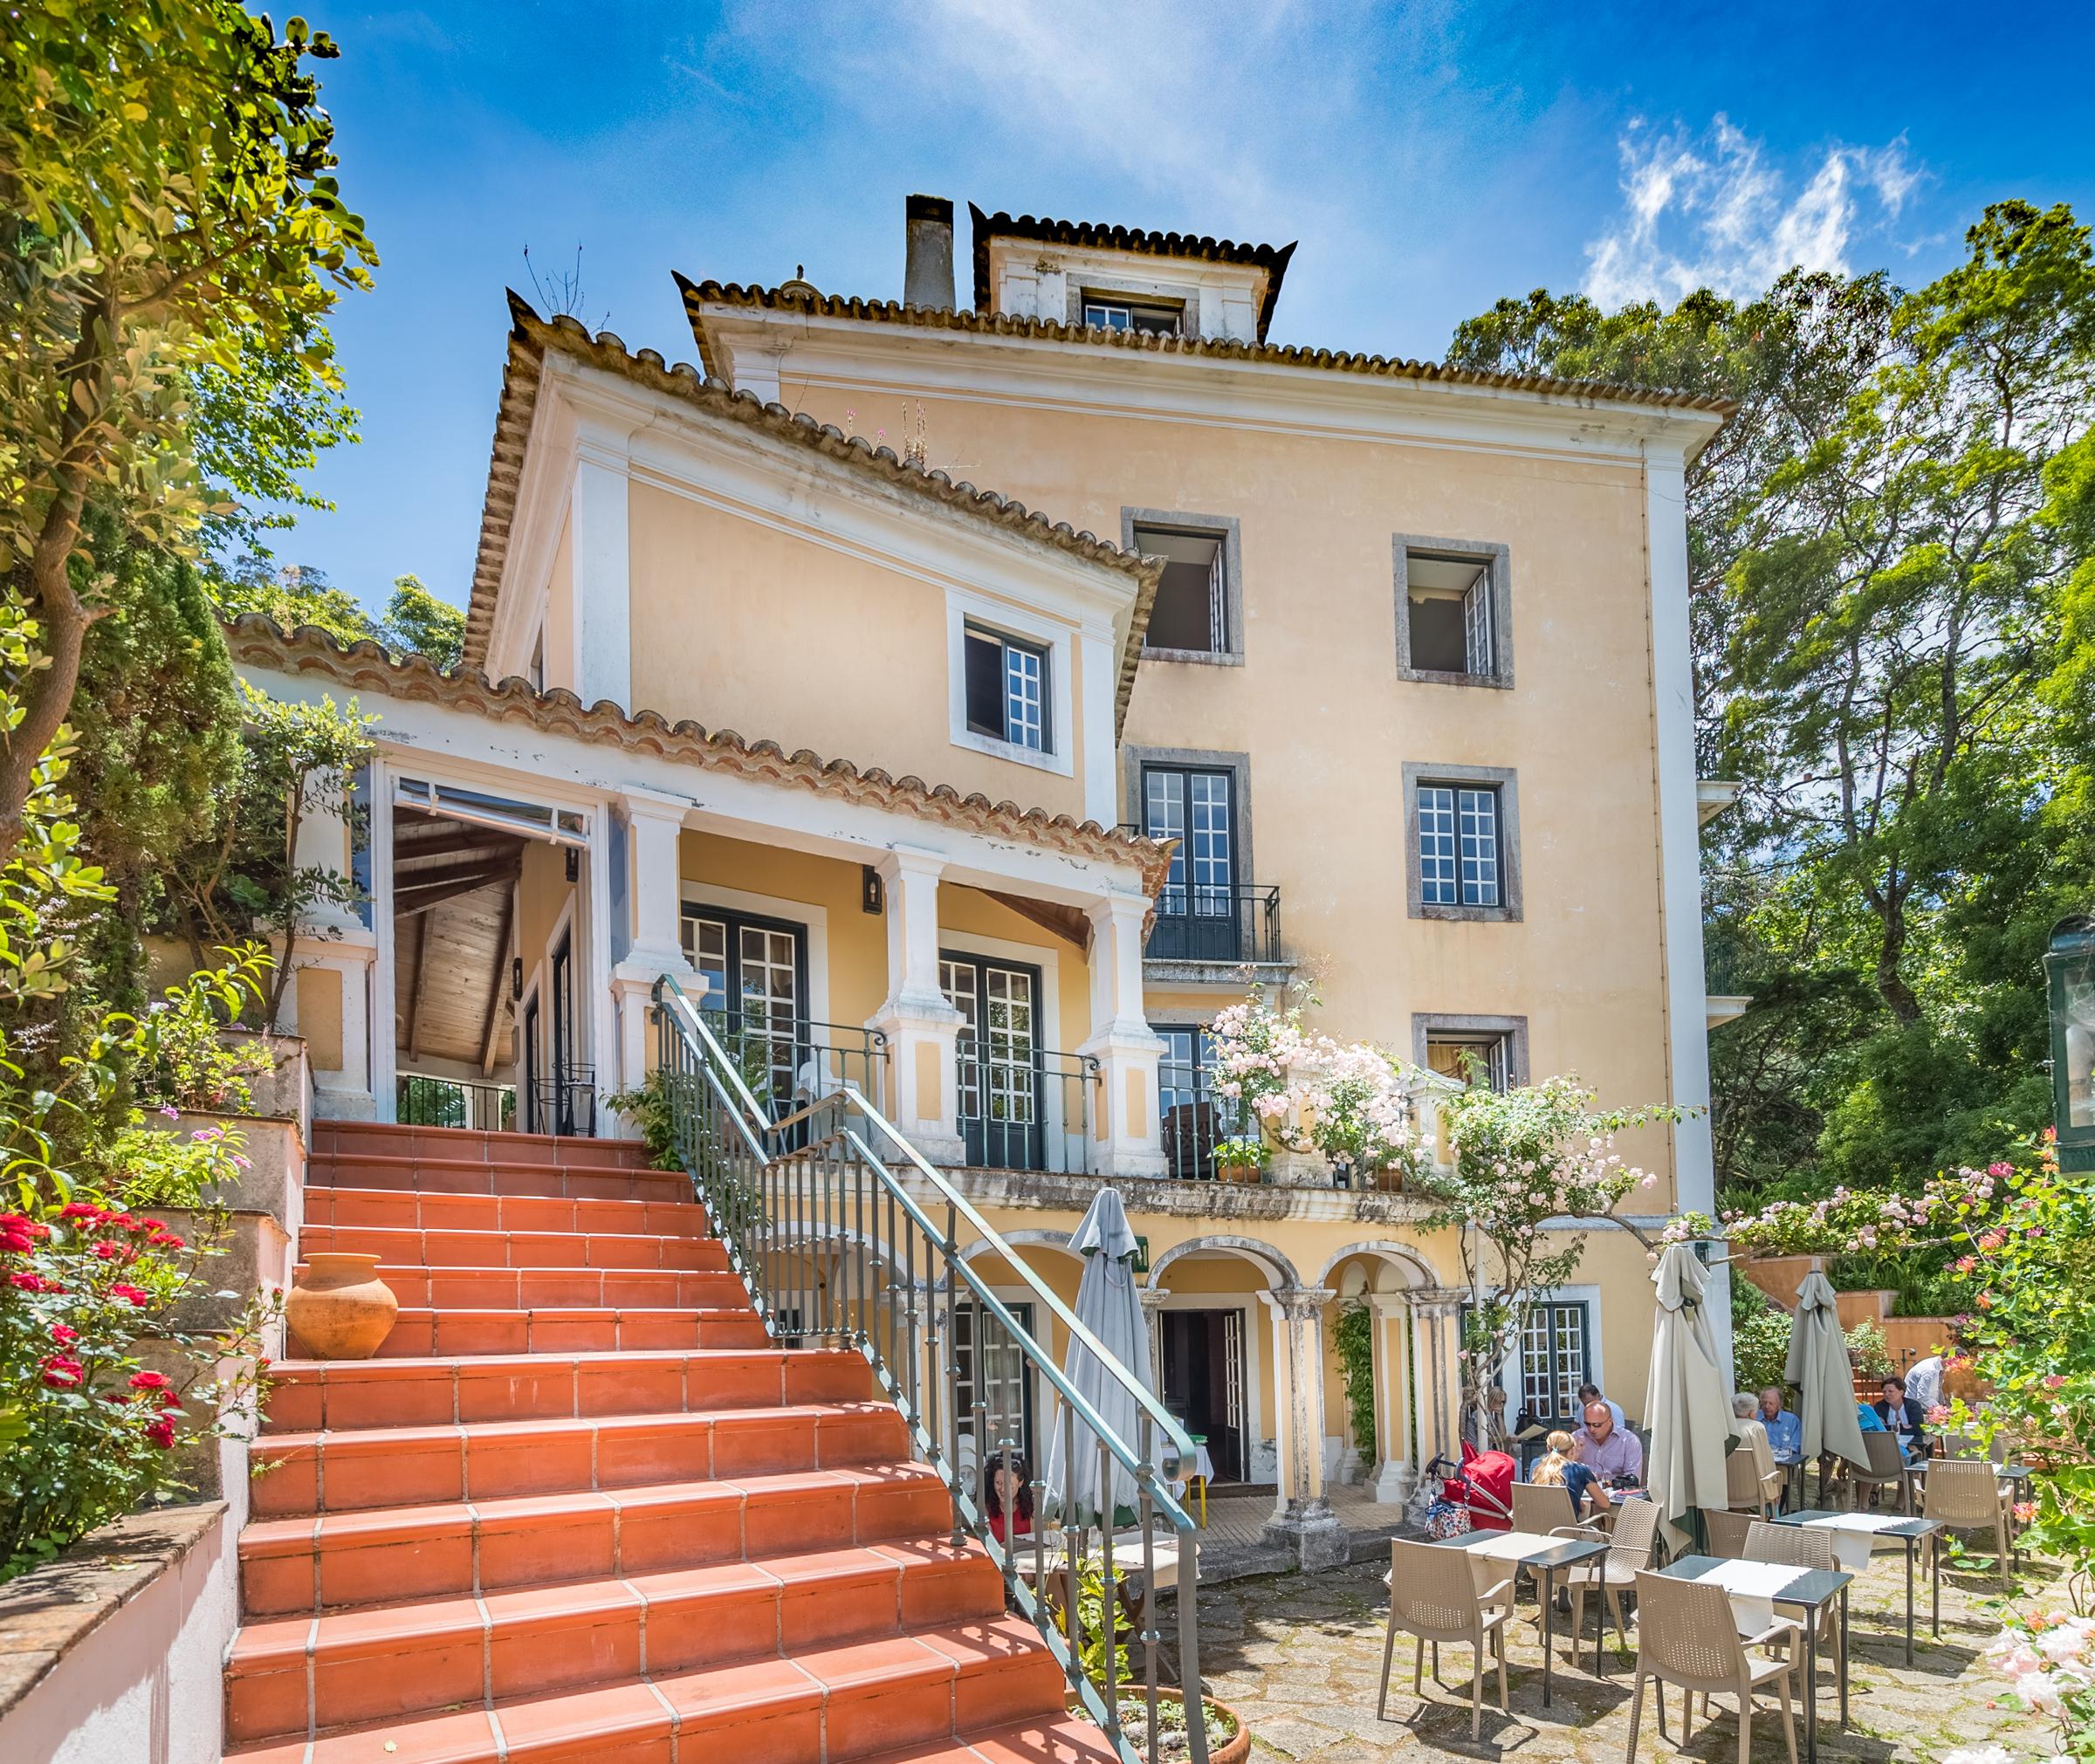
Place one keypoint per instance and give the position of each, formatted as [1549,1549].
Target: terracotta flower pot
[339,1308]
[1220,1751]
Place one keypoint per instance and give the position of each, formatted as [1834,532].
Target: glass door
[566,1078]
[1000,1059]
[1197,907]
[756,980]
[533,1116]
[993,1392]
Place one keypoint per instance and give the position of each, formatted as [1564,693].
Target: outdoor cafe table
[1856,1533]
[1545,1558]
[1142,1573]
[1809,1588]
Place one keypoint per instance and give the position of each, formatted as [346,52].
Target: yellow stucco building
[1257,662]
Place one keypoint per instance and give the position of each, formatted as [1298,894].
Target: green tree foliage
[1894,623]
[416,622]
[170,230]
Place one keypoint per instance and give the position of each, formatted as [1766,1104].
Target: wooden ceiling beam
[421,986]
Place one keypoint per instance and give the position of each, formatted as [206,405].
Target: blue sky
[1429,158]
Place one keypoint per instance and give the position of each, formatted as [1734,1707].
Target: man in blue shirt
[1785,1430]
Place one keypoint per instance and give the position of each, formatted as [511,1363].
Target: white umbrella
[1687,1403]
[1818,1367]
[1107,1305]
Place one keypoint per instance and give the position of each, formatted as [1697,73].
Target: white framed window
[1009,682]
[1112,312]
[1008,690]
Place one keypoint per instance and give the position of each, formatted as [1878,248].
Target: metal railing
[840,1243]
[1025,1111]
[1241,922]
[420,1100]
[565,1103]
[1194,1118]
[785,1063]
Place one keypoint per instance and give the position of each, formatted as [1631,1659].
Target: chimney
[927,272]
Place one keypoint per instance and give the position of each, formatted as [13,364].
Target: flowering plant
[1518,1161]
[2048,1659]
[178,1058]
[1306,1093]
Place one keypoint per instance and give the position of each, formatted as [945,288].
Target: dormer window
[1110,313]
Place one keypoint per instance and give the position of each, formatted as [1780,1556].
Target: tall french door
[1000,1059]
[756,980]
[534,1119]
[1197,916]
[993,1392]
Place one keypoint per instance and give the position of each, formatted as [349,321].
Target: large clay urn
[339,1308]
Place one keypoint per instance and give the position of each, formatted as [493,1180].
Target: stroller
[1477,1497]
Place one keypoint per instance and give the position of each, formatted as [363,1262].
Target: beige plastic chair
[1965,1495]
[1728,1532]
[1686,1637]
[1752,1481]
[1434,1596]
[1887,1469]
[1630,1547]
[1795,1547]
[1539,1506]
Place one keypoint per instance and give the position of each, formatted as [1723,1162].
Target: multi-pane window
[1458,856]
[1103,312]
[1190,613]
[753,973]
[1555,1360]
[1486,1059]
[1194,807]
[999,1059]
[1449,618]
[1008,690]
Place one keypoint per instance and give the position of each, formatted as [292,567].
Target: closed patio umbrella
[1818,1368]
[1687,1404]
[1107,1305]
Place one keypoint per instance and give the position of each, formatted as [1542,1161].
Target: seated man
[1785,1430]
[1611,1453]
[1590,1393]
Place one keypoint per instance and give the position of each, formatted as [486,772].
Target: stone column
[1126,1140]
[654,903]
[1396,1475]
[330,997]
[920,1022]
[1302,1520]
[1152,1316]
[1436,1341]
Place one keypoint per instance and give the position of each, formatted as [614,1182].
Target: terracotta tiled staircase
[579,1509]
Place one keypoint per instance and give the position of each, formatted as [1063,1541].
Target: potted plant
[1242,1157]
[1228,1735]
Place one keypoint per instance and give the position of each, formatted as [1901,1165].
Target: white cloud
[1709,211]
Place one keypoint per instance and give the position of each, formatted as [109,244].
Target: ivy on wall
[1354,1337]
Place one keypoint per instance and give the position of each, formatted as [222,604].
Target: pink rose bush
[2046,1660]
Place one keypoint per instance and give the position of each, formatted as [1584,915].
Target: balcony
[1207,933]
[1027,1109]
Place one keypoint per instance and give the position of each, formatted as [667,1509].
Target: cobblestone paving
[1300,1656]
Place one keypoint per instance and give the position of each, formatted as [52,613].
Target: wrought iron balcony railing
[1238,924]
[838,1243]
[1194,1118]
[422,1100]
[1025,1110]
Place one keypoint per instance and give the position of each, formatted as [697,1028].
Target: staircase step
[420,1331]
[362,1468]
[520,1249]
[332,1396]
[435,1175]
[416,1210]
[857,1701]
[285,1675]
[526,1289]
[307,1565]
[337,1138]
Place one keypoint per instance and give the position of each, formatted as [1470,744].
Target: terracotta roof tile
[365,667]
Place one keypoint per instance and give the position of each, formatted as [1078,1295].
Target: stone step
[330,1395]
[394,1209]
[419,1331]
[313,1563]
[520,1249]
[289,1674]
[437,1175]
[524,1289]
[385,1138]
[305,1473]
[857,1701]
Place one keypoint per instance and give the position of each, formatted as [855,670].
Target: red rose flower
[113,1253]
[148,1381]
[61,1373]
[64,1333]
[34,1283]
[165,1240]
[15,1241]
[121,1291]
[81,1209]
[161,1432]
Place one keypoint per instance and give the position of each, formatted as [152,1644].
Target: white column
[1394,1475]
[1125,1134]
[1302,1520]
[920,1022]
[654,902]
[1436,1320]
[601,560]
[341,953]
[1152,1316]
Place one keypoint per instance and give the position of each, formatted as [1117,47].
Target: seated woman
[1557,1468]
[1007,1496]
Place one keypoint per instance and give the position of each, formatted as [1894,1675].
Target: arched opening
[1211,1345]
[1374,1433]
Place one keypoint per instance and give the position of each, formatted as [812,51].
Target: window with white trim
[1485,1058]
[1459,853]
[1556,1359]
[1008,690]
[1111,312]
